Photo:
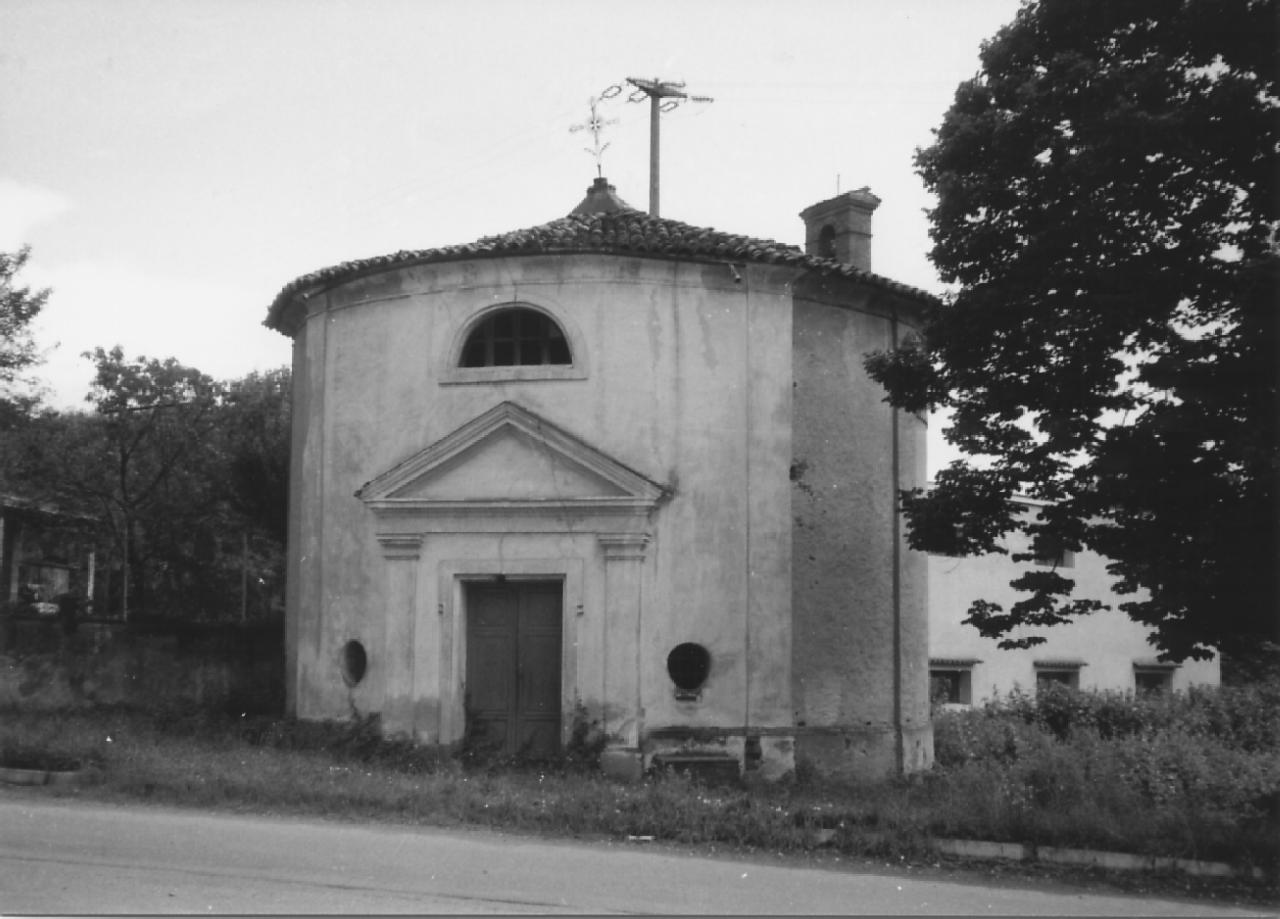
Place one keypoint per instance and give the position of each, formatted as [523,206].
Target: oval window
[354,662]
[688,665]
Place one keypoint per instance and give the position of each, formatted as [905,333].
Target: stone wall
[158,666]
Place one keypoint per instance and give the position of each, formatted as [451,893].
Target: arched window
[516,337]
[827,242]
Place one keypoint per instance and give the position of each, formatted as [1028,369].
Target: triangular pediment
[510,458]
[508,464]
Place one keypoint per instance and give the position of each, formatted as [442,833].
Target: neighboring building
[614,472]
[46,554]
[1105,650]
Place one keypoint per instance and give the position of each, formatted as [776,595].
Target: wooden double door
[513,667]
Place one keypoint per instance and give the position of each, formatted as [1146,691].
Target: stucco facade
[1105,650]
[710,469]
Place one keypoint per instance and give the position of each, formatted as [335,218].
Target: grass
[341,769]
[1064,772]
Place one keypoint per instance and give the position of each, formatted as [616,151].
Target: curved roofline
[622,232]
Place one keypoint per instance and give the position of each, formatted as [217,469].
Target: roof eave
[726,248]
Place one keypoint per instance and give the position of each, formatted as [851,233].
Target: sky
[174,164]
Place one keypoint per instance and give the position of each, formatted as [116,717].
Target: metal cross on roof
[595,124]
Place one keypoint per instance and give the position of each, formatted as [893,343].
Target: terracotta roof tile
[623,231]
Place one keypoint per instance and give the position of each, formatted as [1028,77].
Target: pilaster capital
[400,545]
[623,546]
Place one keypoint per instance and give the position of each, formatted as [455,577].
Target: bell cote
[840,228]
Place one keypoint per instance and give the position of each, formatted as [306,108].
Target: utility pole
[656,90]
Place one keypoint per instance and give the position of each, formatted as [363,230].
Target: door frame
[468,583]
[452,576]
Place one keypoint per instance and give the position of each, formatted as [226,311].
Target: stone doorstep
[1117,861]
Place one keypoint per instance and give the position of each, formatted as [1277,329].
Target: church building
[613,477]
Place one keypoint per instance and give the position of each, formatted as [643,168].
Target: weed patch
[1190,777]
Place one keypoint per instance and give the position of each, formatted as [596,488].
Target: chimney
[840,228]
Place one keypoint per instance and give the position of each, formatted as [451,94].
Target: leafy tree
[156,417]
[187,475]
[18,307]
[253,443]
[255,430]
[1107,197]
[137,463]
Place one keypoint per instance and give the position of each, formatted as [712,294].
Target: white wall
[1108,641]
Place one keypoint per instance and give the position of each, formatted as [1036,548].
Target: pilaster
[402,554]
[624,556]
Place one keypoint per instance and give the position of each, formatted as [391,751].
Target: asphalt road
[59,855]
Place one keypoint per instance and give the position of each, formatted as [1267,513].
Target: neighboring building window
[1153,679]
[1063,673]
[951,681]
[1051,554]
[1064,559]
[516,337]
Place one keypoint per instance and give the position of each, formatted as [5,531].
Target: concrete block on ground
[977,848]
[625,765]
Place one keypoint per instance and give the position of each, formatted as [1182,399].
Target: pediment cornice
[423,485]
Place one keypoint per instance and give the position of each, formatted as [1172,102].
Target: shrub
[1193,775]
